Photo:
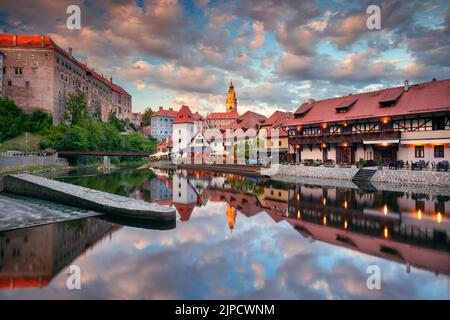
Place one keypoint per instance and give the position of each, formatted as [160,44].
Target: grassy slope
[18,143]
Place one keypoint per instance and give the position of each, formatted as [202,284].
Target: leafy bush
[12,119]
[39,121]
[79,132]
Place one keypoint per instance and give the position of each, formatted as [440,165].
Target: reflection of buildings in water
[185,196]
[231,216]
[31,257]
[161,190]
[407,228]
[275,201]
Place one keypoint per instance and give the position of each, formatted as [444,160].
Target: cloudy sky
[278,52]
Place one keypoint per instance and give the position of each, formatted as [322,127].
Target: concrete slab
[85,198]
[20,212]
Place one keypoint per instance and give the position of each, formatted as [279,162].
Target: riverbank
[55,171]
[393,180]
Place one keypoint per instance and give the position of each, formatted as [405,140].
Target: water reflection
[240,237]
[31,257]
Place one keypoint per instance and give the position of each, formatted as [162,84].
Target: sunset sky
[279,53]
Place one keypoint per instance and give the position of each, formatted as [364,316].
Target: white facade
[182,190]
[161,127]
[182,135]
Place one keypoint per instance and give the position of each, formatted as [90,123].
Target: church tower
[231,103]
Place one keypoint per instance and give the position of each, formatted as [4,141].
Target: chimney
[110,79]
[14,40]
[406,85]
[70,51]
[311,100]
[43,42]
[171,109]
[160,108]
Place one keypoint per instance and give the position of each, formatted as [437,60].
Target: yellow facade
[231,103]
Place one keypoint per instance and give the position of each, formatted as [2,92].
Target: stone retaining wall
[315,172]
[383,177]
[13,163]
[410,177]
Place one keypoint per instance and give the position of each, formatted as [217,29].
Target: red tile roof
[222,115]
[275,121]
[277,118]
[165,113]
[198,117]
[184,116]
[249,120]
[184,210]
[425,97]
[27,41]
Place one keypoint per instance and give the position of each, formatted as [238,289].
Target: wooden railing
[344,137]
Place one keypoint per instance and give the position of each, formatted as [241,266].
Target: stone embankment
[385,176]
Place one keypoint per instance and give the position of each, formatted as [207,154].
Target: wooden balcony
[344,138]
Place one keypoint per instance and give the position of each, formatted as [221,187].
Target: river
[237,238]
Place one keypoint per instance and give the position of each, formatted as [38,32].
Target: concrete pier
[85,198]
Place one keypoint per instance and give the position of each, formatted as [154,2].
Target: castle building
[38,74]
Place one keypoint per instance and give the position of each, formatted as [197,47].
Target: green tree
[76,138]
[117,123]
[12,119]
[38,121]
[136,142]
[153,142]
[147,117]
[76,109]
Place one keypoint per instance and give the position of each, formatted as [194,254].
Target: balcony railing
[344,137]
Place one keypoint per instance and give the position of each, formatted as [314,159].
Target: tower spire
[231,102]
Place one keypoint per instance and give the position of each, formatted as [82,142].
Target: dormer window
[390,98]
[344,106]
[303,110]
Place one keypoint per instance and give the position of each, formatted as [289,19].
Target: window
[18,56]
[420,152]
[438,151]
[4,70]
[18,71]
[9,83]
[27,84]
[420,205]
[439,123]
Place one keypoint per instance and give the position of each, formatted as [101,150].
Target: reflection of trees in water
[121,183]
[77,225]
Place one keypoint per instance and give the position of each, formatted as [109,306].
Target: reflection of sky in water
[203,259]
